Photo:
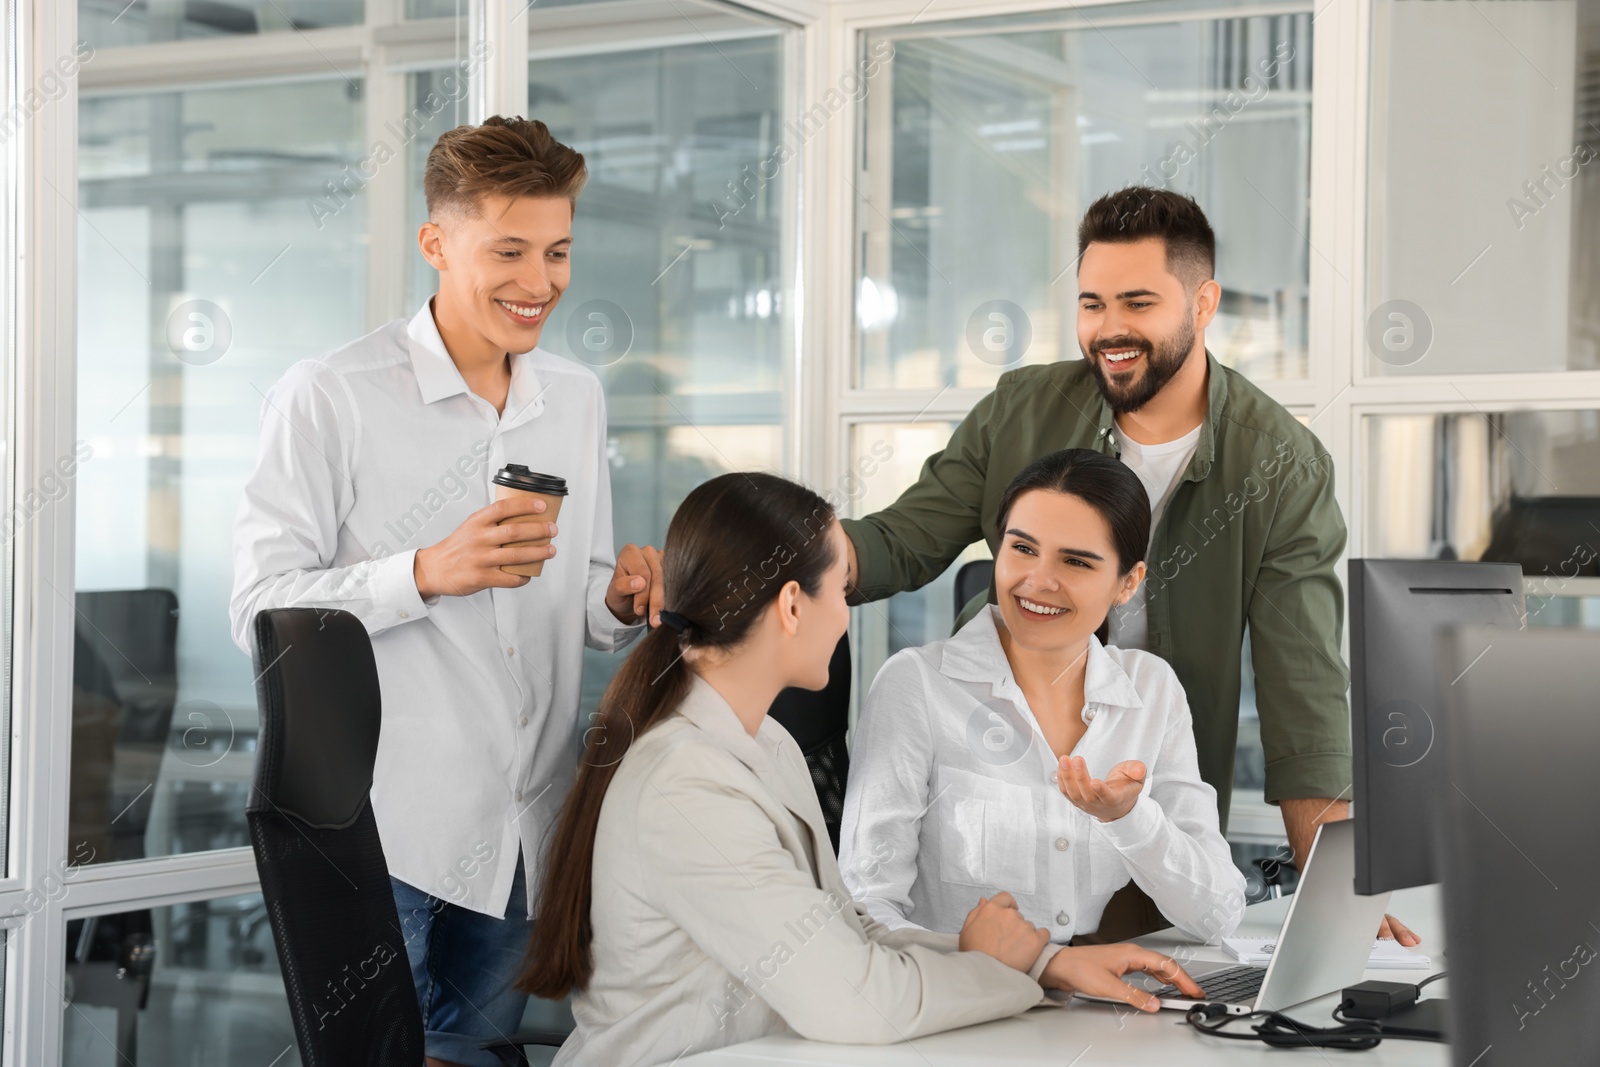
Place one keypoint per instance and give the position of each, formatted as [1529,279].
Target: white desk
[1081,1034]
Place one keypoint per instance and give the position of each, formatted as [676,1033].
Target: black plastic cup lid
[516,476]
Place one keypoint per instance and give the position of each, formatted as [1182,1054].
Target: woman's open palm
[1106,799]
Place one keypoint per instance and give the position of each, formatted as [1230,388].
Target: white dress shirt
[953,796]
[371,452]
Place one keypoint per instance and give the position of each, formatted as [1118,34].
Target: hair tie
[676,621]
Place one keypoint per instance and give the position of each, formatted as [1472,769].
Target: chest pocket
[1107,872]
[988,832]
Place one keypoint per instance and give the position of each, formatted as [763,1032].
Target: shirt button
[524,720]
[1050,778]
[405,614]
[1063,919]
[510,651]
[1061,844]
[1089,715]
[519,794]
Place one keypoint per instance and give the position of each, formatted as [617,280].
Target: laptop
[1322,947]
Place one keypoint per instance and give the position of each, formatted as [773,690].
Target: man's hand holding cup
[472,557]
[500,546]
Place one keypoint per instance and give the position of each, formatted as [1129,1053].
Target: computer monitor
[1397,610]
[1517,846]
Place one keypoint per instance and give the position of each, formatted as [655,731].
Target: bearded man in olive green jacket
[1246,528]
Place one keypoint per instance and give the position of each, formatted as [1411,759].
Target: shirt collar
[1205,449]
[526,397]
[709,712]
[706,708]
[974,654]
[438,377]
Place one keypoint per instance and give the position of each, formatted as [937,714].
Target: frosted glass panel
[203,275]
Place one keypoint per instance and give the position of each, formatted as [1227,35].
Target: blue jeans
[463,964]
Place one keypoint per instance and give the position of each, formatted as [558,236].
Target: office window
[680,297]
[1484,190]
[1560,611]
[1515,486]
[210,258]
[112,23]
[984,141]
[199,982]
[436,103]
[435,9]
[885,459]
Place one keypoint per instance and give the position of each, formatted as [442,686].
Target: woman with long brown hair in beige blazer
[690,897]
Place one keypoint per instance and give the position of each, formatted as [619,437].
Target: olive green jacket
[1251,535]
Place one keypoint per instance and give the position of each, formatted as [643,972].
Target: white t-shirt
[1159,467]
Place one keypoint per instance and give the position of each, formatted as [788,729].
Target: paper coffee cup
[516,480]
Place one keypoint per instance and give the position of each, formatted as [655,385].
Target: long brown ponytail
[732,545]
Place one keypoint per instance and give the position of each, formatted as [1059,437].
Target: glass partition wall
[682,298]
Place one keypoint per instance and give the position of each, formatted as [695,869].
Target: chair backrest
[819,721]
[126,651]
[322,868]
[1538,533]
[134,630]
[973,579]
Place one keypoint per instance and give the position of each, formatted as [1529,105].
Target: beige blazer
[720,916]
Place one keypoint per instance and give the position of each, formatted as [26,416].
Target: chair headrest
[814,717]
[317,688]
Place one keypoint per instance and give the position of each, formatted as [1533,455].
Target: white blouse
[953,796]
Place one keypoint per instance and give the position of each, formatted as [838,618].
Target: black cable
[1339,1016]
[1280,1031]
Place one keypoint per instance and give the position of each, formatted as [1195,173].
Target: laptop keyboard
[1232,984]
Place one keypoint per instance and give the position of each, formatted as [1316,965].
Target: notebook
[1386,954]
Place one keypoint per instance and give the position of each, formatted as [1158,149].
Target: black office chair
[323,873]
[124,684]
[1539,534]
[973,579]
[819,720]
[1277,874]
[109,958]
[133,634]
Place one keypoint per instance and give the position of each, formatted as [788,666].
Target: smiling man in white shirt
[373,493]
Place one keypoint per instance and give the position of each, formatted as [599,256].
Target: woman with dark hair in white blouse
[974,762]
